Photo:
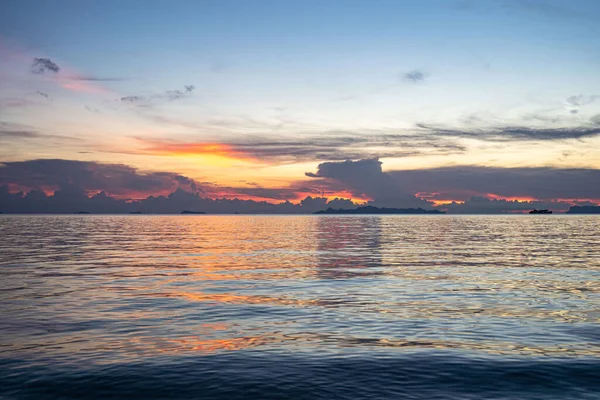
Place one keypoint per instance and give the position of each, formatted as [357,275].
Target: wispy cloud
[415,76]
[169,95]
[513,133]
[574,103]
[43,94]
[13,131]
[68,78]
[323,146]
[89,78]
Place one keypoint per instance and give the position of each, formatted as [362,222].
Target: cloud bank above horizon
[65,185]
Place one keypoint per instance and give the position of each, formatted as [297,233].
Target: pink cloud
[81,86]
[17,59]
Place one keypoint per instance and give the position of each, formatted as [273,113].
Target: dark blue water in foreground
[315,307]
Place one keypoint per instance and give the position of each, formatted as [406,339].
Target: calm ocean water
[300,307]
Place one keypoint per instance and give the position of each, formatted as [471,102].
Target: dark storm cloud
[459,183]
[540,183]
[415,76]
[114,179]
[75,181]
[71,198]
[365,178]
[40,66]
[513,133]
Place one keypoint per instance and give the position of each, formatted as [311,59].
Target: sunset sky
[267,100]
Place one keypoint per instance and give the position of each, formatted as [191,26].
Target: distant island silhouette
[584,210]
[540,212]
[192,212]
[377,210]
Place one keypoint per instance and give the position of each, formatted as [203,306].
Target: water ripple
[299,307]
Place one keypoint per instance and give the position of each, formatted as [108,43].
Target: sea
[299,307]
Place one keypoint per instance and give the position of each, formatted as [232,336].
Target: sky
[433,103]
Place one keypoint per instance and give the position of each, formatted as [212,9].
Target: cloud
[18,103]
[92,110]
[17,133]
[42,65]
[12,131]
[339,145]
[110,188]
[365,177]
[169,95]
[71,198]
[43,94]
[415,76]
[89,78]
[69,79]
[132,99]
[114,179]
[460,182]
[98,187]
[581,100]
[513,133]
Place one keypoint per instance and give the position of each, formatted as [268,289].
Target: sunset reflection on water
[108,290]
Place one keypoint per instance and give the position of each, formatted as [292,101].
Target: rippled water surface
[311,307]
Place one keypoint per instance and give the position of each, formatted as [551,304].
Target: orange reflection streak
[213,345]
[206,345]
[240,299]
[217,326]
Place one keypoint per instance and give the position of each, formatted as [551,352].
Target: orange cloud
[493,196]
[212,149]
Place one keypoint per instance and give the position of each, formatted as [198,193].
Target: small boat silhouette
[540,212]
